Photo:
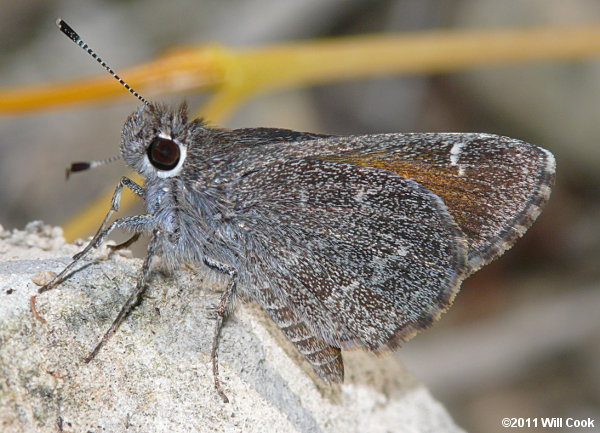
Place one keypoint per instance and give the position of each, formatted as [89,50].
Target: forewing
[494,187]
[360,255]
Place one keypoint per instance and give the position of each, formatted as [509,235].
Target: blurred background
[523,337]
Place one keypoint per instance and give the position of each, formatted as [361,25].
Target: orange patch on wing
[461,194]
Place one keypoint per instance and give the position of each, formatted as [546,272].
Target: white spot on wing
[455,154]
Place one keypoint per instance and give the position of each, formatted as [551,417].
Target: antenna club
[67,30]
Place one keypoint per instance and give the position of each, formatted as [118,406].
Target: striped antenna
[72,34]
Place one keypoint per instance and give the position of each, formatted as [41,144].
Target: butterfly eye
[163,153]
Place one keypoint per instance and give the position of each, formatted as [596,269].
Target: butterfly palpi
[344,241]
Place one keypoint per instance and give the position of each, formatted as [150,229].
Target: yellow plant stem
[426,52]
[319,61]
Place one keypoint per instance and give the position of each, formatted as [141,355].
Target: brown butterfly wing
[360,255]
[494,187]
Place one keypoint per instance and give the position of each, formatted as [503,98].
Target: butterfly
[344,241]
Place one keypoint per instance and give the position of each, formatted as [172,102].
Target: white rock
[154,374]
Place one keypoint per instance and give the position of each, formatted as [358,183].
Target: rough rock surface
[155,374]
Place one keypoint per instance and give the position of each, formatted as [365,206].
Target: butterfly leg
[102,232]
[115,207]
[223,310]
[136,223]
[133,299]
[125,244]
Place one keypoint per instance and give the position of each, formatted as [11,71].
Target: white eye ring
[149,166]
